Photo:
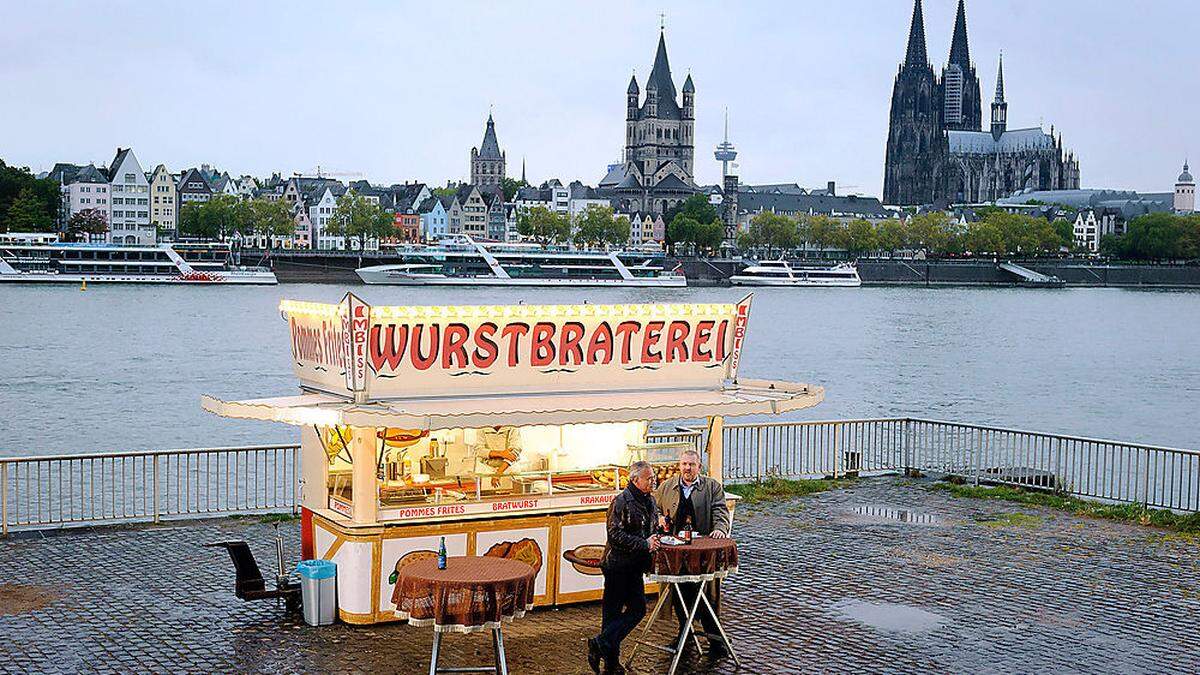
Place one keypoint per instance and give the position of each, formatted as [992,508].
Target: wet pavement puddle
[887,616]
[877,514]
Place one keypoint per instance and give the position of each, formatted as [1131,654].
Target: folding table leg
[498,649]
[664,591]
[683,603]
[437,646]
[721,630]
[683,634]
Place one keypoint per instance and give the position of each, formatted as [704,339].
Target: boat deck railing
[82,489]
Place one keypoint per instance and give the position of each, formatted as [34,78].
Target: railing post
[759,450]
[296,481]
[978,455]
[836,473]
[154,466]
[1146,481]
[905,448]
[4,499]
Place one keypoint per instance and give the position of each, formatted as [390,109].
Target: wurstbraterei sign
[373,353]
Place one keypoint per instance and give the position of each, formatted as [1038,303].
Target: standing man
[631,520]
[693,502]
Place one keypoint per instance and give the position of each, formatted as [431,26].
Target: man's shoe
[717,650]
[614,668]
[594,655]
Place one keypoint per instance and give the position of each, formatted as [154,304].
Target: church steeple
[916,55]
[999,82]
[999,107]
[960,52]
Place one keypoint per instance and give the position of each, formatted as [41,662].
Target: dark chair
[250,584]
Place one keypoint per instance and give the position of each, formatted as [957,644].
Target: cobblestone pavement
[885,576]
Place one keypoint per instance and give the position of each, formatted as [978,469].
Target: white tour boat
[783,273]
[96,263]
[462,261]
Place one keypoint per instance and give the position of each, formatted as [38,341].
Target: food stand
[504,429]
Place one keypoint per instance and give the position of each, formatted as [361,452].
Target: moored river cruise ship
[106,263]
[462,261]
[783,273]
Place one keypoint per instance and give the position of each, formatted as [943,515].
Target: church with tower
[937,149]
[658,165]
[487,161]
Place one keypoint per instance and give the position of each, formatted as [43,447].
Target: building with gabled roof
[658,166]
[129,200]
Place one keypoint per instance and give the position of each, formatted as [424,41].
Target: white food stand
[503,429]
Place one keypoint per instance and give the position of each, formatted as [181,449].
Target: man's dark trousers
[623,607]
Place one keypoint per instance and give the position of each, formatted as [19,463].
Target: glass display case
[447,466]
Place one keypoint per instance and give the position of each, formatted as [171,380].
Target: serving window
[448,466]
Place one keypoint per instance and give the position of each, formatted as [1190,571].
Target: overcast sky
[400,91]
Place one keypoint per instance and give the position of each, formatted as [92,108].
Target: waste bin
[318,591]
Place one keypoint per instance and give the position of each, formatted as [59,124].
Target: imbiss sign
[394,352]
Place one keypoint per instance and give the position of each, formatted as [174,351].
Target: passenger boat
[462,261]
[783,273]
[181,263]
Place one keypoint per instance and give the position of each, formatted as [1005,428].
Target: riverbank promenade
[884,575]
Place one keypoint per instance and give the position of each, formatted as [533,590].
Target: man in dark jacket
[632,517]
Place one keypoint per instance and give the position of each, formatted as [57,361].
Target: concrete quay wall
[985,273]
[333,267]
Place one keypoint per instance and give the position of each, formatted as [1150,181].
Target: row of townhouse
[140,208]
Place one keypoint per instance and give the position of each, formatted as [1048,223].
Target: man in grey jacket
[693,502]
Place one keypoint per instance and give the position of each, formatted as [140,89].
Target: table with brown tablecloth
[704,559]
[473,593]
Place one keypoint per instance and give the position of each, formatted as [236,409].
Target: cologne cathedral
[938,151]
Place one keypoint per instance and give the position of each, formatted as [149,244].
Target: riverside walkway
[887,575]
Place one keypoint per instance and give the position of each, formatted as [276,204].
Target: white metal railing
[128,486]
[1115,471]
[63,490]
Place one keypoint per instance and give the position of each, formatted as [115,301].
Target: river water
[123,367]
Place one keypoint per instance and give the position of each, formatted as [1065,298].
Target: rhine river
[123,367]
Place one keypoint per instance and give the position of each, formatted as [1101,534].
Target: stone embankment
[338,268]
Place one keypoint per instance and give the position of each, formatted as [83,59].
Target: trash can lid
[317,569]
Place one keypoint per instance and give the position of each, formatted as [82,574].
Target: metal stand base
[685,631]
[500,667]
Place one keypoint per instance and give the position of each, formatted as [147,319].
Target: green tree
[861,237]
[708,236]
[596,226]
[771,230]
[266,218]
[619,230]
[28,213]
[681,230]
[543,225]
[891,235]
[356,217]
[510,187]
[82,225]
[695,207]
[824,232]
[17,181]
[449,191]
[985,237]
[935,232]
[1065,232]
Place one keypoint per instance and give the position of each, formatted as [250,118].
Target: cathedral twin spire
[960,52]
[916,54]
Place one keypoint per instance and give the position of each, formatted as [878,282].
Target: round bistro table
[703,560]
[473,594]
